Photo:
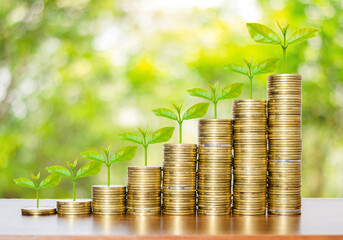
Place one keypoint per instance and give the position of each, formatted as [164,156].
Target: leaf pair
[263,34]
[231,91]
[161,135]
[266,66]
[49,181]
[89,169]
[123,154]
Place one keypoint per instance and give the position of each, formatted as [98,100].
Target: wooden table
[321,219]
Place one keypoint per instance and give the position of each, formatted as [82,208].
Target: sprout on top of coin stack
[215,154]
[250,146]
[144,183]
[179,166]
[110,199]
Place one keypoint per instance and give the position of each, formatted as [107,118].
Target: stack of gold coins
[179,179]
[285,144]
[214,168]
[250,157]
[34,211]
[109,199]
[144,190]
[74,207]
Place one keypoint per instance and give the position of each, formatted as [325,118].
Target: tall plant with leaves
[229,92]
[263,34]
[50,181]
[196,111]
[89,169]
[159,136]
[122,155]
[266,66]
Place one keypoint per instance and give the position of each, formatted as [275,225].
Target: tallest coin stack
[285,144]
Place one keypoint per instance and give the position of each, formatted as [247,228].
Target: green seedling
[266,66]
[122,155]
[196,111]
[160,136]
[263,34]
[89,169]
[231,91]
[50,181]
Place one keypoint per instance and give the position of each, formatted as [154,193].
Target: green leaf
[124,154]
[178,107]
[262,34]
[165,112]
[283,29]
[92,155]
[59,170]
[199,92]
[161,135]
[89,169]
[231,91]
[213,88]
[106,150]
[70,165]
[132,137]
[266,66]
[237,69]
[50,181]
[142,132]
[303,34]
[196,111]
[35,178]
[24,182]
[75,163]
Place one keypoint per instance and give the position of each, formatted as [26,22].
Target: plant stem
[108,175]
[146,155]
[284,59]
[180,132]
[215,110]
[74,191]
[37,196]
[250,77]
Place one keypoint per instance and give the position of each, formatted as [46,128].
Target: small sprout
[231,91]
[196,111]
[266,66]
[89,169]
[49,181]
[123,154]
[263,34]
[160,136]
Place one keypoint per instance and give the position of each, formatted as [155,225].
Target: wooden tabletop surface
[321,219]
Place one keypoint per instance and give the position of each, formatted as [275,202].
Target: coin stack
[285,144]
[74,207]
[250,157]
[179,179]
[214,168]
[109,199]
[33,211]
[144,190]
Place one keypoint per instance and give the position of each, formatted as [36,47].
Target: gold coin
[33,211]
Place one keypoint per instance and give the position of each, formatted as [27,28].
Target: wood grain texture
[321,219]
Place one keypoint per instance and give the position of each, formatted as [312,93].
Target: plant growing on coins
[160,136]
[49,181]
[89,169]
[196,111]
[263,34]
[231,91]
[123,154]
[266,66]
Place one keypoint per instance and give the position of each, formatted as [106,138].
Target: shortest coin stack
[144,190]
[109,199]
[74,207]
[33,211]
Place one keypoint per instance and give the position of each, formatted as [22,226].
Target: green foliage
[229,92]
[159,136]
[89,169]
[196,111]
[263,34]
[123,154]
[266,66]
[50,181]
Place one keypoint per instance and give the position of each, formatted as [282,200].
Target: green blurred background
[76,73]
